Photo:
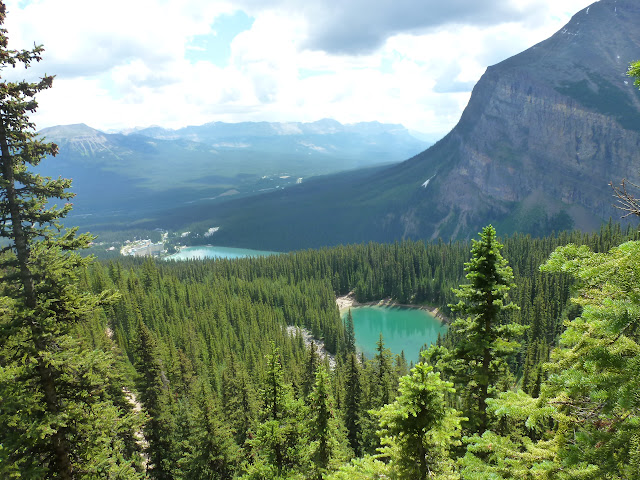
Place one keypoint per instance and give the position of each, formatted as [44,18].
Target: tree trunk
[21,243]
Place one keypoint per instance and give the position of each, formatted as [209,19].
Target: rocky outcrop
[548,128]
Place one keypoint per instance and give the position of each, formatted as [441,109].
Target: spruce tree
[279,444]
[58,417]
[211,453]
[156,399]
[484,341]
[418,429]
[353,405]
[585,421]
[239,402]
[350,335]
[384,386]
[326,429]
[311,365]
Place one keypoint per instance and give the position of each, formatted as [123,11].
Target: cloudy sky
[126,63]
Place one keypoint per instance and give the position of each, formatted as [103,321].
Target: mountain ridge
[543,134]
[140,173]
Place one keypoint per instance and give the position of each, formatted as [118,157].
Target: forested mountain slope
[212,329]
[542,136]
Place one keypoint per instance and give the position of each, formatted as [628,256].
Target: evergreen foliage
[239,401]
[328,434]
[418,429]
[353,411]
[215,321]
[210,453]
[280,443]
[484,342]
[160,430]
[62,411]
[584,424]
[595,374]
[189,340]
[349,332]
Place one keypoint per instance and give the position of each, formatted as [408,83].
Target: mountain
[360,144]
[542,136]
[128,175]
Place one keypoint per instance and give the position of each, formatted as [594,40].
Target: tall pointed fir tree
[156,398]
[329,441]
[239,400]
[384,383]
[279,444]
[350,336]
[57,416]
[418,429]
[354,411]
[484,340]
[211,453]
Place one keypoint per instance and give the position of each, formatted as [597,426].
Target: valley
[124,178]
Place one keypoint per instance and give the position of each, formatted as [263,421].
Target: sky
[134,63]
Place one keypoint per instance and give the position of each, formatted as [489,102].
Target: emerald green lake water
[192,253]
[405,329]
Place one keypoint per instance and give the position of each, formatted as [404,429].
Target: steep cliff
[546,130]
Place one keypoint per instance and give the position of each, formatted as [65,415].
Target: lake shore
[206,252]
[347,301]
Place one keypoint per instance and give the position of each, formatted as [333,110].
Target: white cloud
[122,63]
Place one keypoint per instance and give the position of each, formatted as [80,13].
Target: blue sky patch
[216,48]
[307,73]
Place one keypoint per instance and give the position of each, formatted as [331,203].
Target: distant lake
[192,253]
[405,329]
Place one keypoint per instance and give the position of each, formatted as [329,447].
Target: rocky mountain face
[541,138]
[547,130]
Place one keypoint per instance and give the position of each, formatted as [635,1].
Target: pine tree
[594,377]
[311,366]
[155,397]
[280,443]
[327,431]
[58,416]
[585,422]
[484,341]
[212,454]
[384,386]
[350,335]
[353,411]
[418,429]
[239,403]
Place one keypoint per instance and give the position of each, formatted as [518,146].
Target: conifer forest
[141,368]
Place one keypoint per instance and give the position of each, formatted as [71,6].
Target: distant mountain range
[542,136]
[124,176]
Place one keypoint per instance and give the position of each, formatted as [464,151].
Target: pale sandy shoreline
[347,301]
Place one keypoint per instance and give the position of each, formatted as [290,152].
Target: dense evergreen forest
[204,347]
[133,369]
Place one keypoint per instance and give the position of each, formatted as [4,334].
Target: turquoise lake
[192,253]
[405,329]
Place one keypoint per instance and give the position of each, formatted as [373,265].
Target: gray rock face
[548,128]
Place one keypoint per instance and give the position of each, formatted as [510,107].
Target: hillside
[542,136]
[127,175]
